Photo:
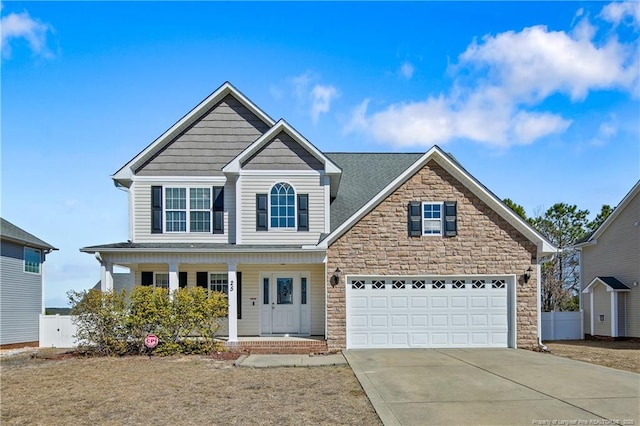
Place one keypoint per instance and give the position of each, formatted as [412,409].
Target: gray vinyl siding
[261,184]
[209,144]
[282,153]
[617,253]
[602,306]
[20,297]
[142,214]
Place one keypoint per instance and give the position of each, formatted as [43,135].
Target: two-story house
[356,249]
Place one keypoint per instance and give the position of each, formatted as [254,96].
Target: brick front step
[279,347]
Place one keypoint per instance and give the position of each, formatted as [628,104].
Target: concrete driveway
[493,387]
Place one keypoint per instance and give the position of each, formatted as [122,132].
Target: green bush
[117,323]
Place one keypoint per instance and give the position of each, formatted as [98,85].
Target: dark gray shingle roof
[614,283]
[11,232]
[364,175]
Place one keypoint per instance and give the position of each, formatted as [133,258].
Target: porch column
[233,303]
[591,313]
[173,278]
[106,277]
[614,314]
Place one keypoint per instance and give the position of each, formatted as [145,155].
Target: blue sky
[539,101]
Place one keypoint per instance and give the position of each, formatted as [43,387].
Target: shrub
[117,323]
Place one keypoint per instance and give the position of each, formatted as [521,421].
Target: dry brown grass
[622,355]
[177,390]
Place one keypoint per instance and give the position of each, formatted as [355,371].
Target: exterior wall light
[335,278]
[527,274]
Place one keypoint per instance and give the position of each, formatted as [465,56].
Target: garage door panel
[447,312]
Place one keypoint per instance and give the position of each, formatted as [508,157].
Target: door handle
[273,305]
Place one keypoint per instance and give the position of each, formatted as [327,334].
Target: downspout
[539,263]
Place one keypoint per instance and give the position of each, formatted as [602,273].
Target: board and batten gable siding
[617,253]
[141,218]
[601,306]
[310,183]
[249,324]
[209,144]
[282,153]
[20,297]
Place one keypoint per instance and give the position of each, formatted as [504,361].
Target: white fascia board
[610,289]
[196,113]
[436,154]
[181,179]
[234,165]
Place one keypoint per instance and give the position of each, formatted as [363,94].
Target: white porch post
[614,314]
[173,278]
[591,313]
[233,305]
[106,277]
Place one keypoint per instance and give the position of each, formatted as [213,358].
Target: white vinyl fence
[562,325]
[56,331]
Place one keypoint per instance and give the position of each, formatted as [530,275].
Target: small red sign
[151,341]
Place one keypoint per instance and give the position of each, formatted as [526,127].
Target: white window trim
[155,274]
[422,219]
[187,188]
[295,209]
[24,261]
[209,273]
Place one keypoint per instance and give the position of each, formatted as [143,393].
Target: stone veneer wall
[485,244]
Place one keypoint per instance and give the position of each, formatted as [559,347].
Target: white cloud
[312,96]
[618,12]
[406,70]
[498,80]
[321,97]
[606,131]
[22,26]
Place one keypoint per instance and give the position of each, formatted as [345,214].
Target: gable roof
[612,283]
[455,169]
[125,173]
[592,238]
[11,232]
[330,167]
[363,176]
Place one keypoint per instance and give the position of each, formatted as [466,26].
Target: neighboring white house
[610,262]
[22,257]
[358,249]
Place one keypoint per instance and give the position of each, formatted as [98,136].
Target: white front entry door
[285,303]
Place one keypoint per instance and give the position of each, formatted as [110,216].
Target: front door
[285,304]
[285,307]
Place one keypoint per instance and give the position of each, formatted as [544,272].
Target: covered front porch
[276,295]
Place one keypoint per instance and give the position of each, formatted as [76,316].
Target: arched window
[283,206]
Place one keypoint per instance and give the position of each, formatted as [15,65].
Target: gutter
[196,250]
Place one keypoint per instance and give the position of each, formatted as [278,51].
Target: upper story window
[283,206]
[32,258]
[189,209]
[432,218]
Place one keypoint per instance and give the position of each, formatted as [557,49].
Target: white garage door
[429,312]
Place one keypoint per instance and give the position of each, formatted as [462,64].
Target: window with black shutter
[450,219]
[415,219]
[218,210]
[261,212]
[146,278]
[303,212]
[202,279]
[156,210]
[182,279]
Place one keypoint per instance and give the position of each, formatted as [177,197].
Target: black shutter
[239,293]
[450,219]
[303,212]
[146,278]
[182,279]
[218,210]
[415,219]
[201,279]
[261,212]
[156,210]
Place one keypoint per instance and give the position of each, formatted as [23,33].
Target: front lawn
[623,355]
[177,390]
